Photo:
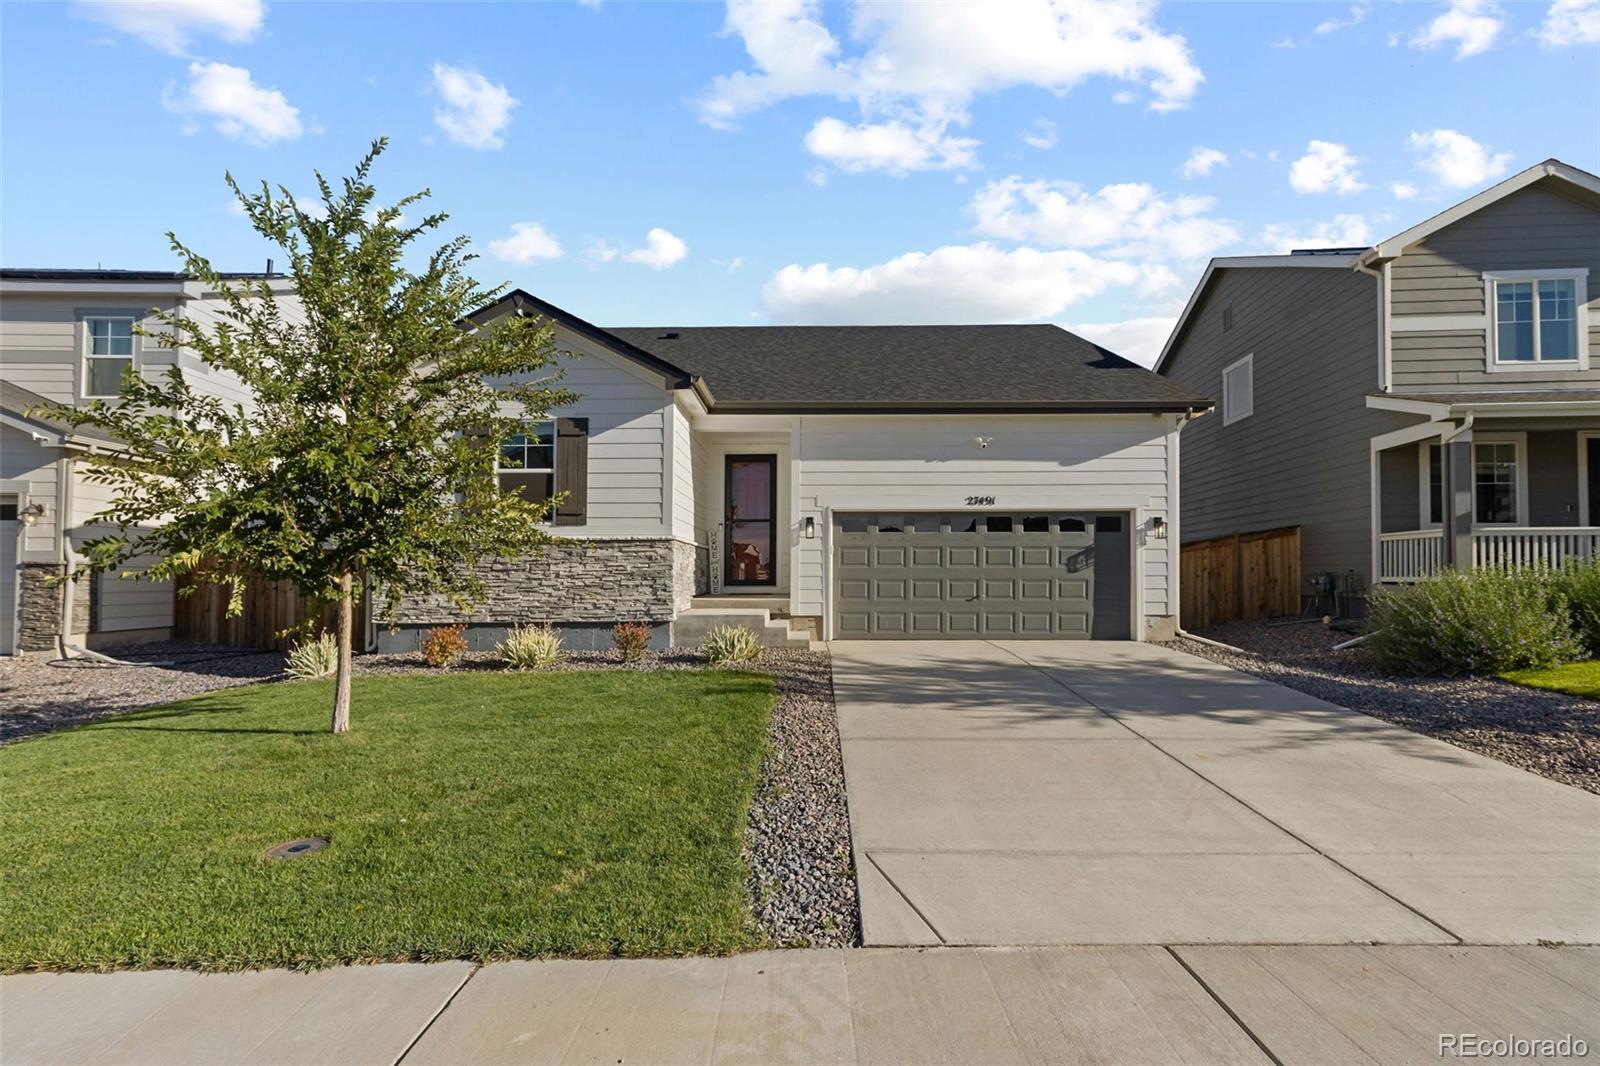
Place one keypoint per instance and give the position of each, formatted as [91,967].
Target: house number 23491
[980,501]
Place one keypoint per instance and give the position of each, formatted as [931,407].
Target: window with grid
[1536,320]
[1494,482]
[109,351]
[527,462]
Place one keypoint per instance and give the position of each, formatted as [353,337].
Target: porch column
[1456,461]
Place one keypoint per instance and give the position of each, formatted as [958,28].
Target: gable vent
[1227,318]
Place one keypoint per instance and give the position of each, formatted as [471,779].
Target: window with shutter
[1238,390]
[527,462]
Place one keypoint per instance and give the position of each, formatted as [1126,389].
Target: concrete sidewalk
[1340,1004]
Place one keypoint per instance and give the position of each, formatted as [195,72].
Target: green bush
[1473,622]
[530,647]
[311,659]
[731,644]
[1579,585]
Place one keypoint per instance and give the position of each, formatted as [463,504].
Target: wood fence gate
[1243,577]
[270,608]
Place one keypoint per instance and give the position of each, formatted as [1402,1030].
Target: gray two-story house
[1426,402]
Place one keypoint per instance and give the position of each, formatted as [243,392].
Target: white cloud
[920,65]
[1341,231]
[1471,25]
[1326,167]
[889,146]
[1570,22]
[1138,339]
[661,250]
[171,25]
[1403,190]
[476,111]
[1203,161]
[956,283]
[238,107]
[1458,161]
[1130,219]
[528,241]
[1358,14]
[1040,135]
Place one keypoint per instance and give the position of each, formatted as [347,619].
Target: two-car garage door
[1047,575]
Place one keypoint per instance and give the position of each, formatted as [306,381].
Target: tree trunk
[341,687]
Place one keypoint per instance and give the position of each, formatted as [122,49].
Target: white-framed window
[107,352]
[1499,481]
[1238,390]
[1536,319]
[527,462]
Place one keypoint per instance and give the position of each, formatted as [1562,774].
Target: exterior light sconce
[1158,528]
[31,513]
[811,528]
[982,442]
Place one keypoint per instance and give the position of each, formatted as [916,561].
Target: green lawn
[1575,679]
[472,815]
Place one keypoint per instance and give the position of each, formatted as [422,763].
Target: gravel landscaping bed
[1553,735]
[38,694]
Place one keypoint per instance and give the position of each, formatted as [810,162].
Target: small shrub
[1472,622]
[732,644]
[310,659]
[631,639]
[1579,585]
[443,646]
[530,647]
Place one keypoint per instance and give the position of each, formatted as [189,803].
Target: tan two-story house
[1430,401]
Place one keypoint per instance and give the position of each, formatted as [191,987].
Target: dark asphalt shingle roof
[1554,396]
[97,274]
[847,367]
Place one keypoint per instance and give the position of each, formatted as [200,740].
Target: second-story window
[527,462]
[1535,319]
[108,351]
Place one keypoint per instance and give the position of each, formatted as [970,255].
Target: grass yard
[1575,679]
[472,815]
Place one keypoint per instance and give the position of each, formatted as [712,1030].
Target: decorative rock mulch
[1547,733]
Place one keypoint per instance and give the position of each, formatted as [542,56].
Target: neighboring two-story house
[1423,403]
[880,482]
[66,336]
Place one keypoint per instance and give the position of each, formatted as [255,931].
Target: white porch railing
[1410,556]
[1419,553]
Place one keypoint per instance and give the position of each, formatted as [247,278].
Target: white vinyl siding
[124,603]
[683,478]
[927,463]
[1238,390]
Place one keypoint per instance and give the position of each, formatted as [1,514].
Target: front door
[752,520]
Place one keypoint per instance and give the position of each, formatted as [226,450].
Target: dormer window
[1535,319]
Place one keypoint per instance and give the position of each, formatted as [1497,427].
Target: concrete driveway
[1033,792]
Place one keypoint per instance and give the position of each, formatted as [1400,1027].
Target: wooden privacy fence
[270,607]
[1242,577]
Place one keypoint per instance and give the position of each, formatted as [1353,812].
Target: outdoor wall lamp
[811,528]
[31,513]
[1158,528]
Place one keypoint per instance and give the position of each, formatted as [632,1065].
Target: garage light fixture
[1158,528]
[811,528]
[31,513]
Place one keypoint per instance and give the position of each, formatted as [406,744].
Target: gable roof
[1550,168]
[1336,259]
[518,301]
[795,369]
[17,405]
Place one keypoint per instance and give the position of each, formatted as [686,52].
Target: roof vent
[1326,251]
[669,336]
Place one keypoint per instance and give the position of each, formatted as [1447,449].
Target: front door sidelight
[751,521]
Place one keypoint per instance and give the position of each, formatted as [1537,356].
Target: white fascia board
[97,288]
[1550,168]
[1235,262]
[1426,408]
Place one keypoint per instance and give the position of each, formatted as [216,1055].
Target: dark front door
[752,520]
[1593,487]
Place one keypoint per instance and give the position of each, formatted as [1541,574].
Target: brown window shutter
[572,470]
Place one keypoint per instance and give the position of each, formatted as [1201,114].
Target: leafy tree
[368,452]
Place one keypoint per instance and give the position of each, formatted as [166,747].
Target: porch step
[778,605]
[689,629]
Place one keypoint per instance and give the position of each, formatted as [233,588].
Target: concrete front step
[689,629]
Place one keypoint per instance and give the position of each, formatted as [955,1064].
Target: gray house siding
[1401,501]
[1545,226]
[1302,457]
[1552,478]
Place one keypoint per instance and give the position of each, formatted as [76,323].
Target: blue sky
[655,164]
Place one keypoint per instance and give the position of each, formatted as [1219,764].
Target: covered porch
[1487,480]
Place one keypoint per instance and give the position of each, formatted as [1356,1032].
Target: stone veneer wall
[620,580]
[688,573]
[39,606]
